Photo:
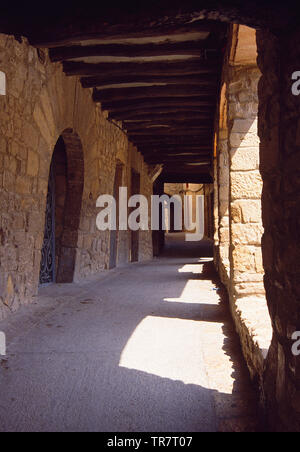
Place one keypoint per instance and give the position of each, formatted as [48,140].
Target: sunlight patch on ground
[193,293]
[168,348]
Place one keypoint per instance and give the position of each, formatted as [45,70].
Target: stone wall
[238,256]
[279,131]
[40,104]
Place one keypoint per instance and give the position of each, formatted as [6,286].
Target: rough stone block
[30,136]
[32,164]
[243,258]
[245,140]
[249,211]
[23,185]
[247,185]
[244,126]
[246,234]
[244,159]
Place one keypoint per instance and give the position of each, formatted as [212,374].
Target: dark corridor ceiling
[162,85]
[155,66]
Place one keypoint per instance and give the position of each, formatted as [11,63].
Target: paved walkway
[148,347]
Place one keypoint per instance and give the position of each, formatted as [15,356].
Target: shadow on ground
[117,354]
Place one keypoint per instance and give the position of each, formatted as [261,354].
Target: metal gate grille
[47,271]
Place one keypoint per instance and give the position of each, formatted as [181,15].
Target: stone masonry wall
[279,130]
[239,256]
[39,105]
[223,189]
[245,184]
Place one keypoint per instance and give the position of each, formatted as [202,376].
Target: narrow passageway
[146,347]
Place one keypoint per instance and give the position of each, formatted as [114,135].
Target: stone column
[245,185]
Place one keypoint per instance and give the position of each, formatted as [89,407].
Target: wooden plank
[191,66]
[181,160]
[106,79]
[173,151]
[180,111]
[157,123]
[172,118]
[164,145]
[126,27]
[174,91]
[199,139]
[175,140]
[162,134]
[167,132]
[196,150]
[146,103]
[207,49]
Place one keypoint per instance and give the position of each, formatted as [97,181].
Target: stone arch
[73,204]
[67,172]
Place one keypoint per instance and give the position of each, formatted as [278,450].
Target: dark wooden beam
[196,150]
[118,29]
[174,91]
[167,132]
[207,49]
[157,123]
[146,103]
[106,79]
[180,111]
[160,136]
[169,147]
[175,140]
[191,66]
[200,178]
[172,117]
[178,159]
[205,150]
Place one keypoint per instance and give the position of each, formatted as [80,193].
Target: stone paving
[146,347]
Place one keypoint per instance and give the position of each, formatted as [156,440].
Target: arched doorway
[63,210]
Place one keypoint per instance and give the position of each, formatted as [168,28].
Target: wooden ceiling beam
[169,160]
[147,137]
[101,30]
[171,116]
[194,150]
[157,123]
[175,141]
[161,102]
[171,145]
[107,79]
[167,132]
[191,66]
[180,111]
[206,49]
[174,91]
